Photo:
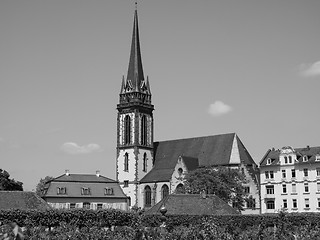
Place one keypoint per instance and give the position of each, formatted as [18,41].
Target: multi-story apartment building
[290,180]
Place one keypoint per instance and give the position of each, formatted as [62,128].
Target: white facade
[290,184]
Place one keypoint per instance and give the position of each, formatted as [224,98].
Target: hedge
[107,218]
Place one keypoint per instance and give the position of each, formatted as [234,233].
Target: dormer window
[305,158]
[290,159]
[61,190]
[180,171]
[269,161]
[108,191]
[318,158]
[85,191]
[285,159]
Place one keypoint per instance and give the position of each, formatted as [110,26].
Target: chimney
[98,173]
[67,172]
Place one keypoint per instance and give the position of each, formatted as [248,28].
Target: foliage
[41,185]
[115,224]
[224,182]
[7,184]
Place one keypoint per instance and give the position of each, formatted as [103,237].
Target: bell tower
[134,123]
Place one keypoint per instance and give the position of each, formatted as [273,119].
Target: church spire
[134,88]
[135,75]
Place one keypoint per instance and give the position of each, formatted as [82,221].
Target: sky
[246,66]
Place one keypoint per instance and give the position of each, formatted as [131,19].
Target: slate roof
[21,200]
[209,150]
[193,204]
[75,182]
[274,154]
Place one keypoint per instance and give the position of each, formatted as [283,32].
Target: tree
[224,182]
[41,185]
[7,184]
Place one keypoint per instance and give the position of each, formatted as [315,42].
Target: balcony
[268,195]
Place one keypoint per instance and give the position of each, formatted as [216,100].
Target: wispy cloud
[310,70]
[219,108]
[74,148]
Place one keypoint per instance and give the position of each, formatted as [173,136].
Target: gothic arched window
[127,130]
[144,134]
[180,188]
[144,167]
[147,196]
[164,191]
[126,162]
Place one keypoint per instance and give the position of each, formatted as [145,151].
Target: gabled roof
[21,200]
[193,204]
[75,182]
[273,154]
[210,151]
[93,178]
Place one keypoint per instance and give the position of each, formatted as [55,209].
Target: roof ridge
[189,138]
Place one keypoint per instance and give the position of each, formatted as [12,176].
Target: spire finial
[136,4]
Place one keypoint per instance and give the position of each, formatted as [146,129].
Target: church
[148,171]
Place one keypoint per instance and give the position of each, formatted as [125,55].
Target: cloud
[73,148]
[310,70]
[219,108]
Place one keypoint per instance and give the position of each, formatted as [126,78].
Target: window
[144,131]
[269,161]
[269,174]
[317,157]
[251,203]
[127,130]
[180,171]
[285,159]
[290,159]
[147,196]
[294,188]
[293,173]
[306,187]
[72,205]
[164,191]
[125,183]
[305,172]
[61,190]
[305,158]
[108,191]
[294,203]
[318,172]
[144,167]
[126,162]
[285,203]
[86,205]
[284,175]
[318,202]
[270,189]
[270,204]
[180,188]
[85,191]
[247,189]
[99,206]
[318,186]
[284,188]
[306,203]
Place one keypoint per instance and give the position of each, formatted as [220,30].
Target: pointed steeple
[135,69]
